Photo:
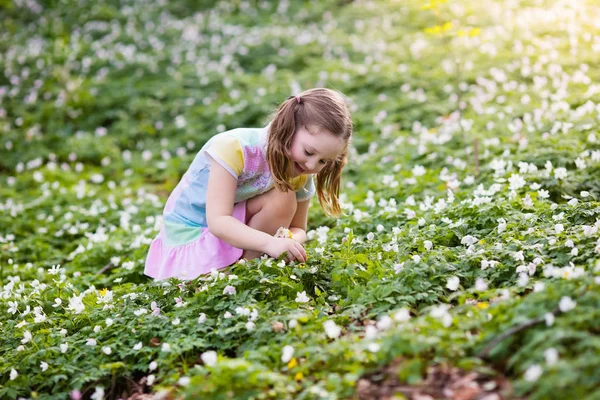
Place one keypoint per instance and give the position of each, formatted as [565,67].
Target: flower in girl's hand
[284,233]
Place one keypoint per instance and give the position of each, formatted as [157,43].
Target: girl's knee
[279,204]
[283,204]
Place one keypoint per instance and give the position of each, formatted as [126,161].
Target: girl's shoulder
[246,136]
[234,148]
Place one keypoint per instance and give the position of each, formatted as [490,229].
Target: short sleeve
[307,191]
[227,151]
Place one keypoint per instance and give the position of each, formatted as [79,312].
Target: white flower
[155,308]
[109,321]
[128,265]
[469,240]
[152,366]
[560,173]
[523,280]
[331,329]
[227,315]
[428,244]
[150,379]
[441,312]
[501,225]
[419,170]
[166,347]
[106,350]
[549,318]
[209,358]
[538,286]
[533,373]
[55,269]
[402,315]
[245,311]
[26,337]
[384,323]
[229,290]
[202,318]
[286,353]
[180,303]
[373,347]
[370,332]
[518,255]
[398,267]
[566,304]
[301,297]
[516,182]
[91,342]
[12,307]
[13,374]
[106,299]
[184,381]
[480,285]
[138,346]
[176,321]
[180,121]
[293,323]
[250,325]
[416,258]
[543,194]
[98,394]
[527,201]
[453,283]
[44,366]
[64,347]
[370,236]
[551,356]
[76,304]
[140,312]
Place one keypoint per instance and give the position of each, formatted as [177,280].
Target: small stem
[515,329]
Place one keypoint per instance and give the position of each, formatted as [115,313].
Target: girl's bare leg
[268,212]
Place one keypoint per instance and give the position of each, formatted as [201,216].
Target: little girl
[244,184]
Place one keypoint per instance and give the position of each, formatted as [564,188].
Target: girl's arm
[298,224]
[220,197]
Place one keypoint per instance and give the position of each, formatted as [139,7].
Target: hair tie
[298,99]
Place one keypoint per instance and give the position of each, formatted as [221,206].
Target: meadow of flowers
[467,265]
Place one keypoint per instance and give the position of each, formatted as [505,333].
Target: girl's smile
[299,169]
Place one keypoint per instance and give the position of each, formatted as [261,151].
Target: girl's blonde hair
[326,109]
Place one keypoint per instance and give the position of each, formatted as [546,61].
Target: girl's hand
[277,246]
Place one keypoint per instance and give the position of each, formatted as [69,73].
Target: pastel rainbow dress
[184,247]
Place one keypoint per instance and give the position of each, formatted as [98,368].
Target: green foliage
[493,269]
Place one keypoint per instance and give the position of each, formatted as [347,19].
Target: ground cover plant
[467,264]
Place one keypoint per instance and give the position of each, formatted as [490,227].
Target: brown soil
[442,382]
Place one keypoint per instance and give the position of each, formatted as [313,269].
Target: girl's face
[312,147]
